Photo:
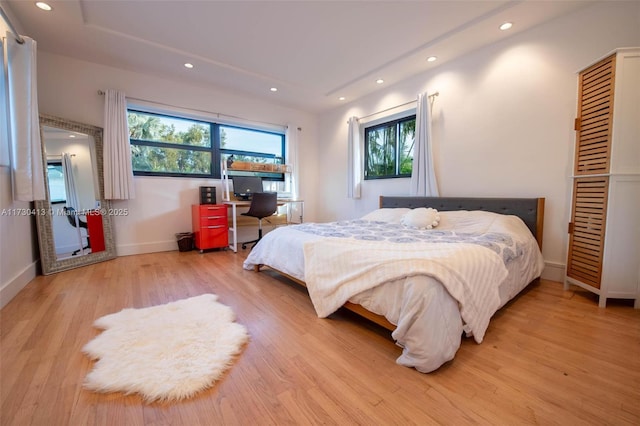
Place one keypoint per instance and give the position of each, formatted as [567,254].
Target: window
[55,176]
[389,149]
[170,146]
[254,146]
[163,145]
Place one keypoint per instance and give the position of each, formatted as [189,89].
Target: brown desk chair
[263,204]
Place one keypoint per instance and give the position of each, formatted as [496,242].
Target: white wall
[18,249]
[502,125]
[68,88]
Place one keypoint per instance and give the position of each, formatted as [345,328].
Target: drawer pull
[216,227]
[214,217]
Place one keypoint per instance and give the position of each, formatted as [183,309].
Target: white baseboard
[13,286]
[158,246]
[554,271]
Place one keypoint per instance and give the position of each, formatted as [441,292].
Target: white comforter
[431,291]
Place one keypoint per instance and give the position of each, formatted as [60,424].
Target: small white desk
[234,204]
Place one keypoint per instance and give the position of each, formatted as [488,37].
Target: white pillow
[391,215]
[421,218]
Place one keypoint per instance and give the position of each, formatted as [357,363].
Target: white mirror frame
[44,221]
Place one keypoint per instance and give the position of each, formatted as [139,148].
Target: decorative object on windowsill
[241,165]
[229,161]
[167,352]
[282,168]
[279,166]
[260,167]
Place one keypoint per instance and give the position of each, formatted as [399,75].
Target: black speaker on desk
[207,195]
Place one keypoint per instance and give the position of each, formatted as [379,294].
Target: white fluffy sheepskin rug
[166,352]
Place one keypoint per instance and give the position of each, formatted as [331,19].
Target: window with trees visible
[389,149]
[164,145]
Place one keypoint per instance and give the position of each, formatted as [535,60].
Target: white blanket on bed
[428,319]
[337,269]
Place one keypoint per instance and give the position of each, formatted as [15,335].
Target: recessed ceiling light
[341,98]
[42,5]
[379,81]
[506,26]
[432,58]
[274,89]
[72,136]
[188,65]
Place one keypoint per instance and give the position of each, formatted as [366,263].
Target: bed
[429,285]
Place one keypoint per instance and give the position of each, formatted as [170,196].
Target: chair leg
[88,246]
[254,242]
[79,250]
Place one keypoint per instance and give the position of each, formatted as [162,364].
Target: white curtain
[24,126]
[4,110]
[94,172]
[71,193]
[118,170]
[354,166]
[291,155]
[423,177]
[70,188]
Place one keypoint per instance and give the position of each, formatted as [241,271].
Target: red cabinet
[210,226]
[95,231]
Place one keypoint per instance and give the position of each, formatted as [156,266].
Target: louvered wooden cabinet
[604,232]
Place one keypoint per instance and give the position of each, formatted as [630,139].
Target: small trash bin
[185,241]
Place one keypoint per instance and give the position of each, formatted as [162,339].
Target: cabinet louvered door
[604,237]
[586,240]
[595,118]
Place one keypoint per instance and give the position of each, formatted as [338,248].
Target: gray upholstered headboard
[530,210]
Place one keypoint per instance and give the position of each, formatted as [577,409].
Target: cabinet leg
[602,302]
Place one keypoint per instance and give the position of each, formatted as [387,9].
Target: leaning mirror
[74,227]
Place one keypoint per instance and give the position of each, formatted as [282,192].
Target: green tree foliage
[173,158]
[388,146]
[405,148]
[381,153]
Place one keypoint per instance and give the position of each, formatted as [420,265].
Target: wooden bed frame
[530,210]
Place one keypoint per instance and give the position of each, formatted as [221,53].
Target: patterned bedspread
[503,244]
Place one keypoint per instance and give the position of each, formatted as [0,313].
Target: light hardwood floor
[549,356]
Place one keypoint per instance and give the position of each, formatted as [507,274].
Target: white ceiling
[312,51]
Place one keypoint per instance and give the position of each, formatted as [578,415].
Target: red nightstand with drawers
[210,226]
